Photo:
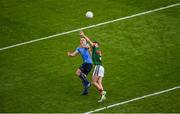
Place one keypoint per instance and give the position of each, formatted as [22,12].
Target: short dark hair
[96,42]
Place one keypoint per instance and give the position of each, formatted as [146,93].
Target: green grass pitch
[141,55]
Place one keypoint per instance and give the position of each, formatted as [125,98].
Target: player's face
[82,41]
[96,44]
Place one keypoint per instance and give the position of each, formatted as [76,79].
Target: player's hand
[98,52]
[81,33]
[68,53]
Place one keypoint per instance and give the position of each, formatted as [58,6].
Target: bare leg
[95,82]
[95,79]
[100,83]
[103,93]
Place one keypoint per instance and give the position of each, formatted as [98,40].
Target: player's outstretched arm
[87,39]
[72,54]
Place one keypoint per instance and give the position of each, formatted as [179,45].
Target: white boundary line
[131,100]
[92,26]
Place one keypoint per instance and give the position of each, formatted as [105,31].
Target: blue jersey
[84,54]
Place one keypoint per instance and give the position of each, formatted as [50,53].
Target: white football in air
[89,14]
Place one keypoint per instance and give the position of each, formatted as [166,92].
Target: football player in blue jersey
[86,67]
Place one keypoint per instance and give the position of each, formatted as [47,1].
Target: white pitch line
[131,100]
[92,26]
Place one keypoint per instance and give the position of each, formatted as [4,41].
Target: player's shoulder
[78,49]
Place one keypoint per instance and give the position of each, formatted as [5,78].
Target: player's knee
[77,73]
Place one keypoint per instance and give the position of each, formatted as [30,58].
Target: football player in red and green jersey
[98,73]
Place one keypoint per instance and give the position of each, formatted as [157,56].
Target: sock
[83,78]
[100,91]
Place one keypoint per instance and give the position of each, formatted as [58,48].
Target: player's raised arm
[87,39]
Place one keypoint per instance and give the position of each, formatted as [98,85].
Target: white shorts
[98,71]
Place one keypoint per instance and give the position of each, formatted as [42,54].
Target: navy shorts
[86,68]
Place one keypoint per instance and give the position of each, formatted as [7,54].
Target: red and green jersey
[95,56]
